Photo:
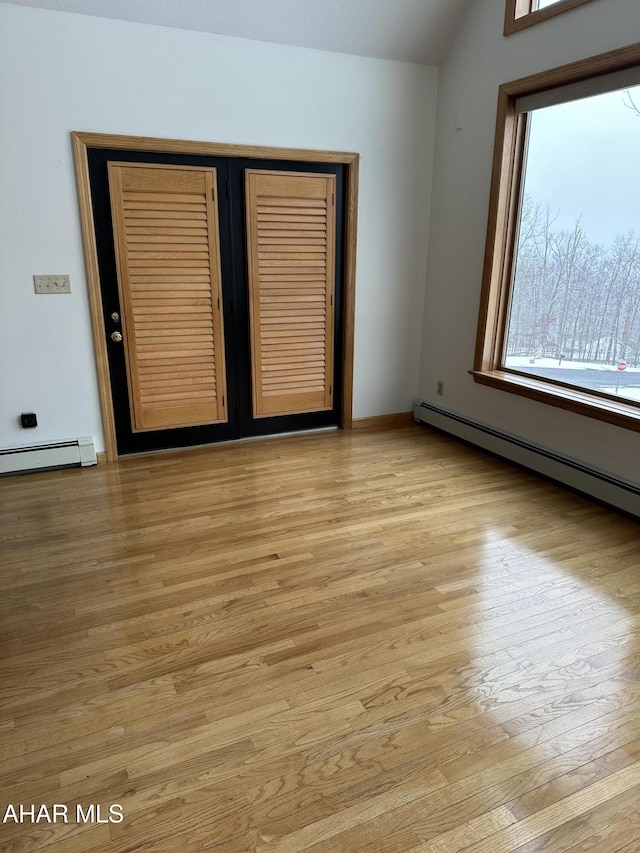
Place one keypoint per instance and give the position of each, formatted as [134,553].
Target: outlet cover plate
[52,283]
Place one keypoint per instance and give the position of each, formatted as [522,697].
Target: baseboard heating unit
[593,482]
[72,453]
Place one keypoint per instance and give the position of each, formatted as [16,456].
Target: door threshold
[226,443]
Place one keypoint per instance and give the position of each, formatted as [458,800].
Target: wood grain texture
[170,293]
[395,421]
[212,149]
[95,295]
[504,204]
[291,247]
[520,14]
[344,641]
[82,141]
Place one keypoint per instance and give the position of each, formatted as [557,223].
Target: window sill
[597,406]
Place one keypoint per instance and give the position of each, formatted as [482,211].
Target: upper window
[560,317]
[523,13]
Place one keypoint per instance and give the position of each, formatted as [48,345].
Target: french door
[221,287]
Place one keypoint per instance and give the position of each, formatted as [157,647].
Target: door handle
[116,337]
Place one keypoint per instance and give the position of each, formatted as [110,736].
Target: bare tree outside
[630,103]
[575,307]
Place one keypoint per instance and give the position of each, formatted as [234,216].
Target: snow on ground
[629,393]
[524,361]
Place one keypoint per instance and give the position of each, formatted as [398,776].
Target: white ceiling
[407,30]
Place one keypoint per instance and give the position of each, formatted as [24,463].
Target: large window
[523,13]
[560,316]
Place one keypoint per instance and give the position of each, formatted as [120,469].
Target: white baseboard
[69,453]
[593,482]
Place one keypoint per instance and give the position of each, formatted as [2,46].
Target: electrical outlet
[440,388]
[52,283]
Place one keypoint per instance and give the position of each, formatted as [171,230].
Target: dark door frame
[83,141]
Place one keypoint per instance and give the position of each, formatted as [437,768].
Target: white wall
[478,61]
[61,72]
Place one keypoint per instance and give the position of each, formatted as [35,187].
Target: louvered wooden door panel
[290,220]
[214,348]
[169,280]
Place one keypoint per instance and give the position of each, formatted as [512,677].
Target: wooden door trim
[83,141]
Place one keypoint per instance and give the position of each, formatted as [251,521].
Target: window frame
[502,232]
[519,14]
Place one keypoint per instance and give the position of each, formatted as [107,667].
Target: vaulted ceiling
[407,30]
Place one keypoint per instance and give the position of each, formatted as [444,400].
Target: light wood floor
[380,642]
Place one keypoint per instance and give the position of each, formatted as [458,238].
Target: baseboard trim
[395,421]
[595,483]
[102,457]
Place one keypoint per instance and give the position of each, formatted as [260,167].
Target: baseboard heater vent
[71,453]
[593,482]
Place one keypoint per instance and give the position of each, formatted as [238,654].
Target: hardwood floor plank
[551,817]
[354,815]
[343,642]
[461,837]
[577,829]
